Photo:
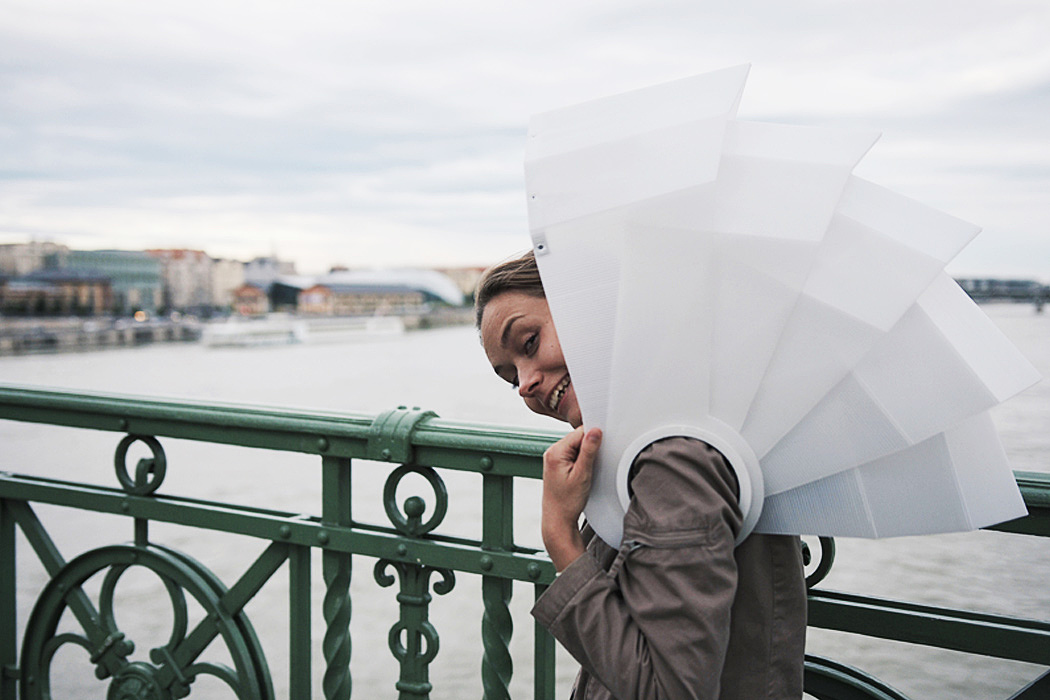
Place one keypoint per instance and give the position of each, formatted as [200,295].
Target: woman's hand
[568,466]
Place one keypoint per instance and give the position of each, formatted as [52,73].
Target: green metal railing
[409,552]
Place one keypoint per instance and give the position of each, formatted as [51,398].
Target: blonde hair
[519,274]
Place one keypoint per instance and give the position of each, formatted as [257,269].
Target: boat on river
[285,330]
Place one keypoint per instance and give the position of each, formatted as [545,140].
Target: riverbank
[26,336]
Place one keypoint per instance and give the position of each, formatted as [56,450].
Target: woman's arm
[656,624]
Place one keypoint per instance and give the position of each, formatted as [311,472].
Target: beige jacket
[677,612]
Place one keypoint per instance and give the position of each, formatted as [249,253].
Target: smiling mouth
[558,393]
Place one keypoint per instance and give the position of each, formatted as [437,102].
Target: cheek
[536,406]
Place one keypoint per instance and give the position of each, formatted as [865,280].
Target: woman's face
[519,338]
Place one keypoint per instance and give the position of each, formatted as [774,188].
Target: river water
[444,370]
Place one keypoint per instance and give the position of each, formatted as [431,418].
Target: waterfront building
[226,277]
[57,293]
[187,279]
[466,278]
[360,300]
[21,259]
[435,286]
[251,300]
[264,271]
[135,276]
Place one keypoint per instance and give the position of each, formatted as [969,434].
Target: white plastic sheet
[733,281]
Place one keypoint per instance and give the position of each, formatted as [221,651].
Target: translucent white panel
[869,270]
[733,281]
[847,427]
[753,273]
[631,169]
[690,293]
[651,108]
[916,382]
[1002,368]
[943,362]
[954,481]
[579,263]
[629,147]
[983,473]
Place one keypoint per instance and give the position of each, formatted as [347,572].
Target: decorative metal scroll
[413,641]
[173,667]
[156,467]
[817,573]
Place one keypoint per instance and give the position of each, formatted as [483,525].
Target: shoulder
[681,482]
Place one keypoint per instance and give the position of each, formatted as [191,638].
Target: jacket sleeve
[656,624]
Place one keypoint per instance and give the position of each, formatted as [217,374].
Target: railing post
[299,622]
[336,568]
[8,633]
[497,624]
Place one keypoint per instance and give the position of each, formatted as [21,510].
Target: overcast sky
[392,133]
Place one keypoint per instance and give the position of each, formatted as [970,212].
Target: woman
[676,612]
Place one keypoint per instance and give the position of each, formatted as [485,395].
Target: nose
[529,381]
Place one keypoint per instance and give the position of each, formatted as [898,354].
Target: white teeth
[559,391]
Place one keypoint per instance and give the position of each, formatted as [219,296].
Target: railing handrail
[342,434]
[415,437]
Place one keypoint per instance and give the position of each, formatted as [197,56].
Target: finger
[589,446]
[565,449]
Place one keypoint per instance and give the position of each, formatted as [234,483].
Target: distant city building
[251,300]
[187,276]
[466,278]
[364,292]
[226,277]
[57,293]
[360,300]
[263,272]
[435,286]
[135,276]
[981,289]
[20,259]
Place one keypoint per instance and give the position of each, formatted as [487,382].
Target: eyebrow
[507,328]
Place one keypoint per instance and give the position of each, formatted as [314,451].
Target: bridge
[409,550]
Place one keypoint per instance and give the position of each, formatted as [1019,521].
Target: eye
[530,343]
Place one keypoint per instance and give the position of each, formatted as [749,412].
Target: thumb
[592,440]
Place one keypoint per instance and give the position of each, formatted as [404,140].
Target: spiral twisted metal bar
[173,667]
[336,569]
[497,626]
[413,640]
[336,645]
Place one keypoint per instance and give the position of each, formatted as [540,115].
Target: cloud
[369,131]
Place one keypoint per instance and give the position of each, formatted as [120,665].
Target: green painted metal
[299,623]
[336,569]
[497,625]
[409,550]
[997,636]
[1039,689]
[829,680]
[8,588]
[390,435]
[413,641]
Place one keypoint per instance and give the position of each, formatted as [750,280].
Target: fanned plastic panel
[954,481]
[734,281]
[941,363]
